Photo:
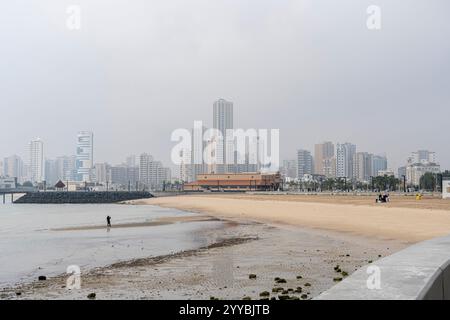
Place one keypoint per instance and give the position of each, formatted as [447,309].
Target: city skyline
[355,84]
[345,160]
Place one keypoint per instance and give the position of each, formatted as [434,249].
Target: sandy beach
[403,219]
[299,239]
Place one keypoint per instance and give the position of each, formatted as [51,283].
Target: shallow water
[29,248]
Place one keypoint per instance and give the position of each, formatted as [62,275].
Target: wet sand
[303,258]
[158,222]
[403,219]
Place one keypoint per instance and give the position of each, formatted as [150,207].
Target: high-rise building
[419,163]
[415,171]
[85,155]
[67,168]
[305,163]
[102,173]
[152,173]
[422,156]
[344,160]
[13,168]
[36,160]
[125,175]
[401,172]
[222,121]
[289,169]
[51,172]
[131,161]
[379,164]
[194,156]
[329,167]
[323,156]
[362,166]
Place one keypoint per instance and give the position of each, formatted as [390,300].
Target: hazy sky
[138,69]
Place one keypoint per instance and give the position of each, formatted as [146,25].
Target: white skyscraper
[223,120]
[344,160]
[85,155]
[36,160]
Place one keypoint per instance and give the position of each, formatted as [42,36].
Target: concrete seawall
[81,197]
[419,272]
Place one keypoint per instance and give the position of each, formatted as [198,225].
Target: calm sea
[28,248]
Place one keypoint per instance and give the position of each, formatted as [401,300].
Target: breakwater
[51,197]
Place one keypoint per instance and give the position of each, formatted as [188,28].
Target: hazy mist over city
[137,70]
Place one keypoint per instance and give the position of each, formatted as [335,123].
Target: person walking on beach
[108,221]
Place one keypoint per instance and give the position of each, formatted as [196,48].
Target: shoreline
[305,257]
[402,220]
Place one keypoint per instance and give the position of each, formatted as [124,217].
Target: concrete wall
[420,272]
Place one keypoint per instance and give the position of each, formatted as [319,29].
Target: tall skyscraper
[36,160]
[344,160]
[223,120]
[305,163]
[85,155]
[323,156]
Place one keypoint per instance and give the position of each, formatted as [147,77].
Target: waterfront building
[235,181]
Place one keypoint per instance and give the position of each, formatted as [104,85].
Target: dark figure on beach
[108,221]
[382,198]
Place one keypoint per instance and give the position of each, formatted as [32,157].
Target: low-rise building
[8,183]
[382,173]
[235,182]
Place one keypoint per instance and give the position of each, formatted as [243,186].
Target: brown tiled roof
[60,185]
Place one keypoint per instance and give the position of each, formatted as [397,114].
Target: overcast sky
[138,69]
